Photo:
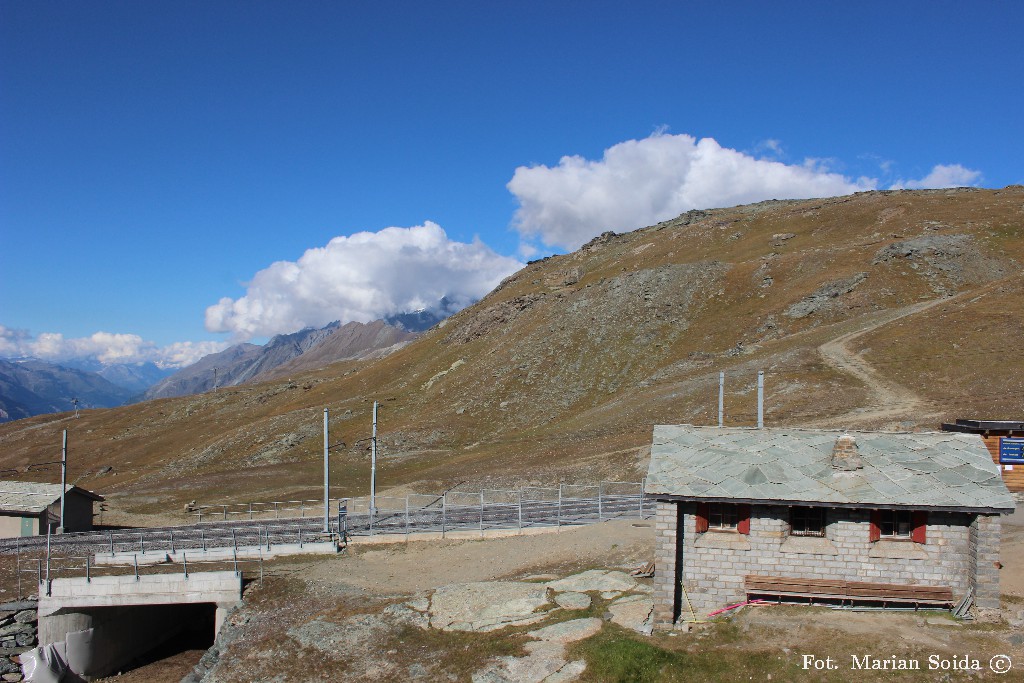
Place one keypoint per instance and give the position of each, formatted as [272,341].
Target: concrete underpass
[106,624]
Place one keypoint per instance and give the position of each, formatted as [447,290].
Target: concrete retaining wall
[158,589]
[217,554]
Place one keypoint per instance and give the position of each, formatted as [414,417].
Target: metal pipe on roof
[721,399]
[760,399]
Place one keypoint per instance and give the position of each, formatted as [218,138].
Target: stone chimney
[844,454]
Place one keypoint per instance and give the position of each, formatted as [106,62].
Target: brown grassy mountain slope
[882,309]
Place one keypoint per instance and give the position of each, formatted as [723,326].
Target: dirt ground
[409,568]
[381,571]
[404,569]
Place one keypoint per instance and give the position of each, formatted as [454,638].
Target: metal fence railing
[494,509]
[261,510]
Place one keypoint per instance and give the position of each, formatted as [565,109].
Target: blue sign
[1011,451]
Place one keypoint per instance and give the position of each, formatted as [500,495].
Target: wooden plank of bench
[778,582]
[919,599]
[793,584]
[838,589]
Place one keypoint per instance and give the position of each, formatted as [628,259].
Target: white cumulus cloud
[183,354]
[108,348]
[641,182]
[365,276]
[942,175]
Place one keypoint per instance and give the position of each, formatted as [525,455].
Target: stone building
[28,508]
[858,517]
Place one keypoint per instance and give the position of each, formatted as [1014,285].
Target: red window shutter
[918,522]
[702,517]
[743,526]
[875,531]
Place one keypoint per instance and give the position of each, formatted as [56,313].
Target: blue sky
[157,158]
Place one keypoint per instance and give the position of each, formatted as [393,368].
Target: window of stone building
[807,521]
[899,525]
[894,524]
[723,517]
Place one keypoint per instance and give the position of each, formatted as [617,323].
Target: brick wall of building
[984,561]
[715,563]
[666,572]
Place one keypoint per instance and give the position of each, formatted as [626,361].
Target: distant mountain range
[33,387]
[300,351]
[135,376]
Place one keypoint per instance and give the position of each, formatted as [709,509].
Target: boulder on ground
[594,580]
[487,606]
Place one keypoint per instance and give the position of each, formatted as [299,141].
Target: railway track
[254,533]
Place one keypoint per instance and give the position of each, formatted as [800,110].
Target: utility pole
[327,478]
[63,477]
[373,466]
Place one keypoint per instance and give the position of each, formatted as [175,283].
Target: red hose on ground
[739,604]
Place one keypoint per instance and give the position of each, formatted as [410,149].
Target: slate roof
[32,497]
[919,470]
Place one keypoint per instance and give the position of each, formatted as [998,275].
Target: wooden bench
[854,591]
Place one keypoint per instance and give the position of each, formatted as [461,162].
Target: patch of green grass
[611,656]
[617,656]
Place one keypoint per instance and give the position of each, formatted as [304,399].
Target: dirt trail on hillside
[888,400]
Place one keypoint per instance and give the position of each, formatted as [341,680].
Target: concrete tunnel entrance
[109,623]
[100,641]
[195,638]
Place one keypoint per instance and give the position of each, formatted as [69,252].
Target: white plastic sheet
[44,664]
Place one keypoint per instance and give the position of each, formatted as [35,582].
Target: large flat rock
[545,663]
[568,631]
[573,600]
[594,580]
[633,612]
[487,606]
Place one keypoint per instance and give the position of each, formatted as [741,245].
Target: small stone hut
[858,517]
[28,508]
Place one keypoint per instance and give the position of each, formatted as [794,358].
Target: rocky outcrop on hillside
[824,296]
[947,262]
